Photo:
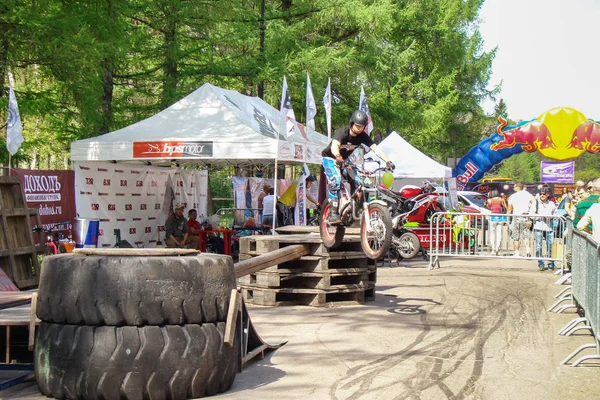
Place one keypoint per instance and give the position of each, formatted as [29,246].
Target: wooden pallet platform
[257,244]
[306,280]
[338,296]
[324,277]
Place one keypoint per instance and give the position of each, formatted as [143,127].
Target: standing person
[591,217]
[505,198]
[287,202]
[176,228]
[518,204]
[261,198]
[344,141]
[497,205]
[542,228]
[583,205]
[267,211]
[567,198]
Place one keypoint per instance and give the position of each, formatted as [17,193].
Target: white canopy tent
[412,166]
[409,161]
[209,126]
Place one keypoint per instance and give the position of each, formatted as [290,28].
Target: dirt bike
[359,202]
[411,210]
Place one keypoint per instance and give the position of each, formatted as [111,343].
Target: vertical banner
[52,192]
[14,128]
[239,197]
[287,112]
[300,210]
[558,171]
[327,104]
[363,106]
[311,106]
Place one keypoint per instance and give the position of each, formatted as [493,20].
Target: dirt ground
[473,329]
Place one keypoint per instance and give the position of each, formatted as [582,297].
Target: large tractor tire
[135,291]
[129,362]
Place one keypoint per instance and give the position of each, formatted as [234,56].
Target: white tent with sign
[409,161]
[209,126]
[412,166]
[116,174]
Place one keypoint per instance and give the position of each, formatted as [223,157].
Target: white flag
[14,129]
[300,216]
[287,112]
[363,106]
[311,106]
[327,103]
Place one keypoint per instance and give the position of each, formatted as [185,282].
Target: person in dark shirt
[345,140]
[176,228]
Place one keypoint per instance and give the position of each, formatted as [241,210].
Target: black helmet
[360,118]
[545,190]
[310,178]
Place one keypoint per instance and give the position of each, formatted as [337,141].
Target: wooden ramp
[320,277]
[252,344]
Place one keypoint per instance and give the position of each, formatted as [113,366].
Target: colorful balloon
[387,179]
[561,133]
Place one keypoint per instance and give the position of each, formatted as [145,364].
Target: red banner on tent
[52,192]
[172,149]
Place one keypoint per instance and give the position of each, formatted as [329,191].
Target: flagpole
[275,183]
[9,163]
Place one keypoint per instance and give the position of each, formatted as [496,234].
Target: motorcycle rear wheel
[331,235]
[409,245]
[376,241]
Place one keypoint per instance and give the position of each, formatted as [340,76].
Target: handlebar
[362,170]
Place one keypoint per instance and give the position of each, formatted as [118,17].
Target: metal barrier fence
[474,235]
[585,286]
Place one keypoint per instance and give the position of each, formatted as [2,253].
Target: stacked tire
[118,327]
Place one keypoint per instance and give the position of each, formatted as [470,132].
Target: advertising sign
[558,171]
[51,192]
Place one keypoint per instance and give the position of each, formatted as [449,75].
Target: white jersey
[520,201]
[268,205]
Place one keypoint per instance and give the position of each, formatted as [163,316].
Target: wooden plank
[276,257]
[12,299]
[32,321]
[232,314]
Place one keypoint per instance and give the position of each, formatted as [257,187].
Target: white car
[474,199]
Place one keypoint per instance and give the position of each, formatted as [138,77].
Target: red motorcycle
[412,208]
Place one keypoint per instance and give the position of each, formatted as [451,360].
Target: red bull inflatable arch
[561,133]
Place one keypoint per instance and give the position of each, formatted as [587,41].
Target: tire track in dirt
[463,344]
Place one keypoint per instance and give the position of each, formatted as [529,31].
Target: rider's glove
[390,165]
[339,161]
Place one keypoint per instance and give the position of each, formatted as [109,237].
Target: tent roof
[209,126]
[410,162]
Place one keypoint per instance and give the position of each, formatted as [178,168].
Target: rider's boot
[334,216]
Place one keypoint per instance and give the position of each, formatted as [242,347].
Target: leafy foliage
[86,68]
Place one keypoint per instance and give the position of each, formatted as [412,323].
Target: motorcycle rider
[344,141]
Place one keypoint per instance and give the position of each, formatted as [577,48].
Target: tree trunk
[107,96]
[170,62]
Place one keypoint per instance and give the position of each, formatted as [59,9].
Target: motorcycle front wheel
[331,235]
[376,239]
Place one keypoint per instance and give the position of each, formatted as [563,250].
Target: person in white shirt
[267,212]
[592,215]
[518,204]
[543,228]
